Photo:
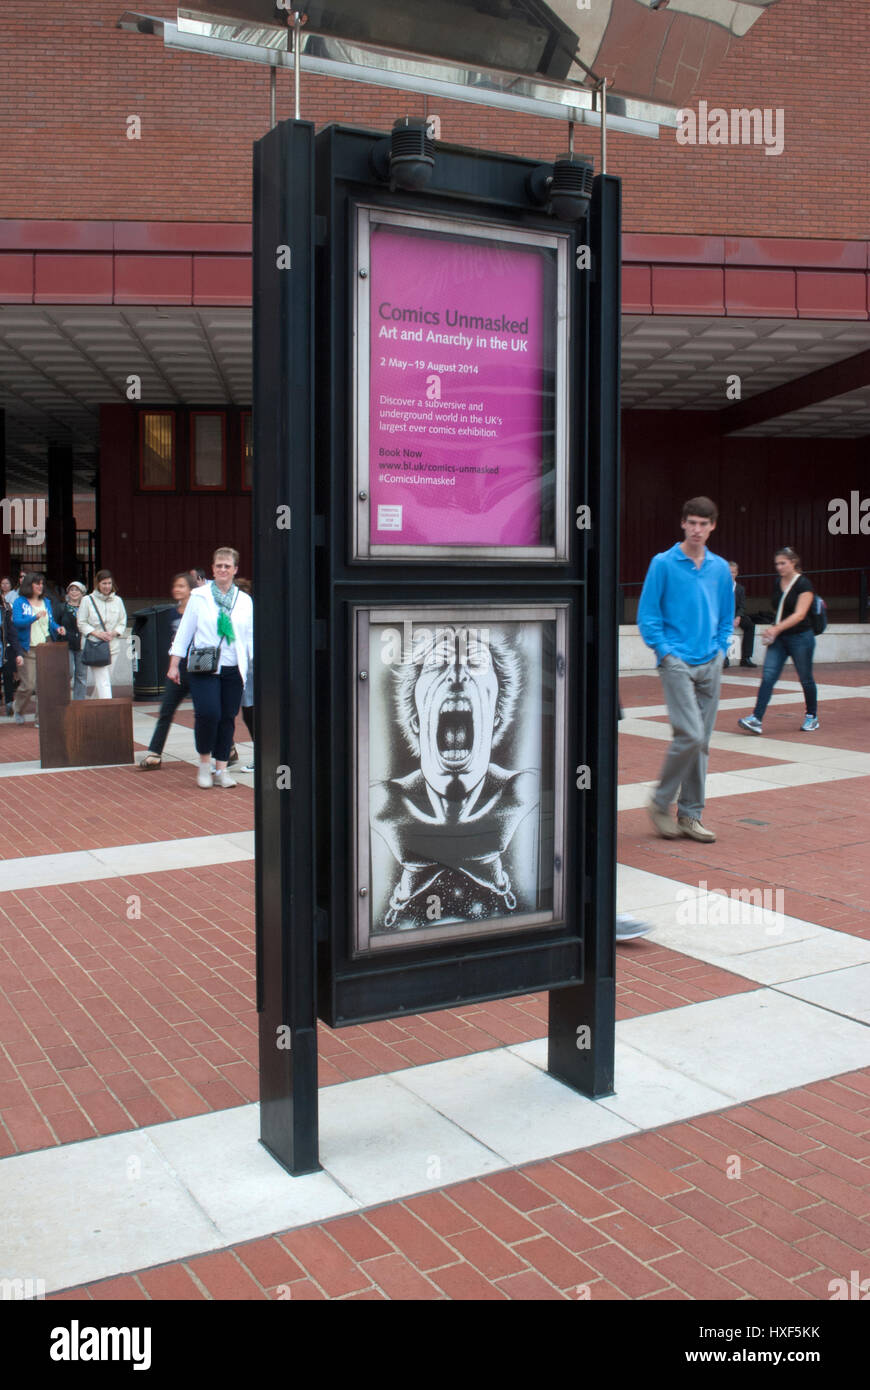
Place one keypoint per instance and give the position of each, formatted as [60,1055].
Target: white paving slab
[242,839]
[511,1106]
[90,1210]
[637,890]
[757,942]
[749,1045]
[192,853]
[648,1093]
[121,861]
[245,1193]
[713,927]
[35,769]
[739,783]
[816,955]
[36,870]
[380,1141]
[858,764]
[845,992]
[803,774]
[633,795]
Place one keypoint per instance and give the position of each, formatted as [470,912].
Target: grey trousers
[692,698]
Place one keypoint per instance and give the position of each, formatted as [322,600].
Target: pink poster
[457,383]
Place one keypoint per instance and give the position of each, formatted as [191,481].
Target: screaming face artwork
[457,722]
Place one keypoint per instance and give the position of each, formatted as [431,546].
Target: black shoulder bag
[96,651]
[205,661]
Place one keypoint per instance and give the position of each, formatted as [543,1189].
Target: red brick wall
[770,492]
[69,79]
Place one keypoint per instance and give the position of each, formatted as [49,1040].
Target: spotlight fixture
[658,4]
[563,188]
[407,158]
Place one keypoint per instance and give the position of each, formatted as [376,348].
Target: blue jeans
[216,701]
[78,674]
[800,647]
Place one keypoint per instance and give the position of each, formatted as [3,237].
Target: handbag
[96,651]
[204,661]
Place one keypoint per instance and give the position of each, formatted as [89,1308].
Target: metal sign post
[435,501]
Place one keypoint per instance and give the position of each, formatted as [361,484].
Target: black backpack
[818,614]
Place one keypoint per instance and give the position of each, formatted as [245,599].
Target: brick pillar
[60,529]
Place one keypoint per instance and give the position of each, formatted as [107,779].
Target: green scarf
[225,603]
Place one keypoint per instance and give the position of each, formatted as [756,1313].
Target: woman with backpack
[102,618]
[791,635]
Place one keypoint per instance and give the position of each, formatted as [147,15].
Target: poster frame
[365,943]
[363,548]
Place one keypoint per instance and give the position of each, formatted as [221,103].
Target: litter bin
[152,638]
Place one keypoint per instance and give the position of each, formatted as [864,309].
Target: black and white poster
[460,778]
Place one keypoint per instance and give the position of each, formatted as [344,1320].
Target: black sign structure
[435,597]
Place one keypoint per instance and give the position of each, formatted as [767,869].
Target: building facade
[125,282]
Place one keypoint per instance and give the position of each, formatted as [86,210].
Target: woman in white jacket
[217,615]
[102,614]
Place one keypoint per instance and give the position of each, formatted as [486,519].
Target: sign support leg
[581,1018]
[284,695]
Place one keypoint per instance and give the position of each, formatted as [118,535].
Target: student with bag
[799,616]
[216,635]
[102,622]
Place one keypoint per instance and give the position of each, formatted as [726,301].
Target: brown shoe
[663,822]
[694,829]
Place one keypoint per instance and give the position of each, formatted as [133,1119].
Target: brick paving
[769,1200]
[110,1022]
[640,759]
[843,723]
[812,842]
[60,812]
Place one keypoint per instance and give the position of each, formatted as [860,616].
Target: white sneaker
[204,776]
[627,928]
[223,779]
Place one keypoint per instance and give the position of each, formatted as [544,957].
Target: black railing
[35,558]
[860,590]
[85,553]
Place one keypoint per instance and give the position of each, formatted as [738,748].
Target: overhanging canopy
[524,55]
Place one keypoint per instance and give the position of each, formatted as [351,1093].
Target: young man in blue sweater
[686,615]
